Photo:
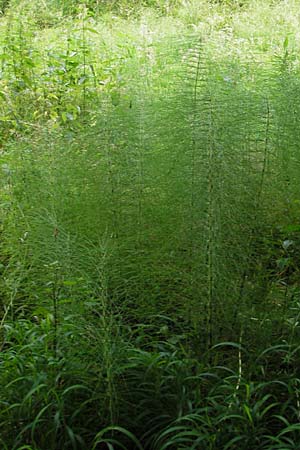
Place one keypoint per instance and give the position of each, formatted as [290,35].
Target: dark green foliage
[4,5]
[172,398]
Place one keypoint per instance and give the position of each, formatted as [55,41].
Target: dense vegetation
[149,229]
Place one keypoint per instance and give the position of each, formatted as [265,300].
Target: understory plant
[150,250]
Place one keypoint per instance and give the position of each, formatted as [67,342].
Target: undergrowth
[149,250]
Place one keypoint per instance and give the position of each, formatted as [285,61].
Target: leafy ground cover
[150,249]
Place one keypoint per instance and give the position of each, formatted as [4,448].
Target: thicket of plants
[150,249]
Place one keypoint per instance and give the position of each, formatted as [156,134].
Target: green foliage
[95,7]
[150,250]
[4,5]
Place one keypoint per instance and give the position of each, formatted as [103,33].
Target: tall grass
[149,229]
